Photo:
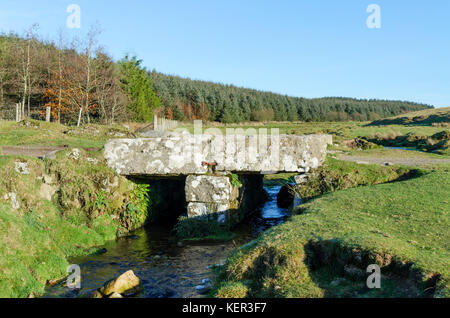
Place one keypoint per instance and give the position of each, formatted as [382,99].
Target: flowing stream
[403,148]
[166,268]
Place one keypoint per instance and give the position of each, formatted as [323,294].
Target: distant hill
[423,117]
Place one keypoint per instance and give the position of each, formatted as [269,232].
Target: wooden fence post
[47,114]
[18,113]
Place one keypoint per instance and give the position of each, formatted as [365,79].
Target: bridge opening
[167,199]
[228,199]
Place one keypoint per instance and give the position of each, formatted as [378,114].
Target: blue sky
[311,48]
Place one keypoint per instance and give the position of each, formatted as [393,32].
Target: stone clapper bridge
[206,163]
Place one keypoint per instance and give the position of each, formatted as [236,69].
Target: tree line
[184,98]
[76,78]
[82,83]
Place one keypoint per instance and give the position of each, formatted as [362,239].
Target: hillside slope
[422,117]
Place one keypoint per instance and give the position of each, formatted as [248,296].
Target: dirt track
[32,151]
[393,160]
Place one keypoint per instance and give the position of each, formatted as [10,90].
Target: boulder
[97,294]
[285,197]
[22,168]
[359,143]
[205,287]
[300,179]
[47,191]
[74,154]
[127,283]
[15,204]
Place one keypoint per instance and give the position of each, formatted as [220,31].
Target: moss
[234,180]
[202,229]
[90,207]
[231,290]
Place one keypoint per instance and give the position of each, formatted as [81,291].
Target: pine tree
[136,83]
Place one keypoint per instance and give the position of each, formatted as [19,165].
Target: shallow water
[165,268]
[403,148]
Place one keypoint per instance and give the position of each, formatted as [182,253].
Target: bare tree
[60,50]
[108,94]
[25,48]
[4,70]
[89,50]
[73,81]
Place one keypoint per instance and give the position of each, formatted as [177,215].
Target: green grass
[87,210]
[202,230]
[392,224]
[335,175]
[344,129]
[395,153]
[407,220]
[52,134]
[367,131]
[95,136]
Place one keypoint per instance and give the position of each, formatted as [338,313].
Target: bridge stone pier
[224,174]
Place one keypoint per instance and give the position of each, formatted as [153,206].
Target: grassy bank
[324,252]
[335,175]
[40,133]
[50,210]
[438,117]
[340,130]
[34,132]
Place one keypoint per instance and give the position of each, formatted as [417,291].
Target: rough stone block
[208,189]
[196,209]
[185,154]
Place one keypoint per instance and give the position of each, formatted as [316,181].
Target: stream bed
[166,268]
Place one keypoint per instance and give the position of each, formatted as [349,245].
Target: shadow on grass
[341,272]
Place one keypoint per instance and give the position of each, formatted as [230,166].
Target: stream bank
[166,267]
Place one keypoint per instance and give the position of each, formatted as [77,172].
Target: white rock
[22,168]
[206,281]
[14,202]
[203,289]
[74,154]
[92,160]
